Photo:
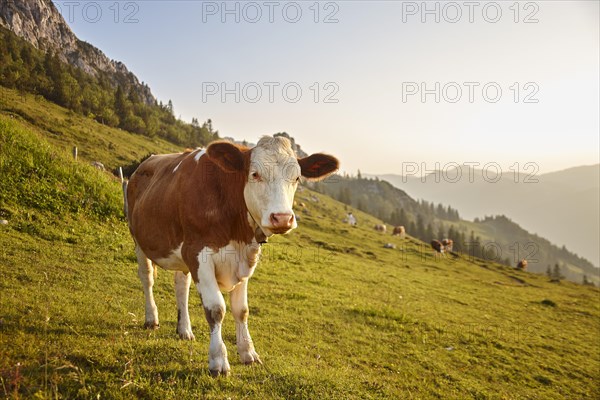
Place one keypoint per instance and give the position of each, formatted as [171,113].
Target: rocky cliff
[40,23]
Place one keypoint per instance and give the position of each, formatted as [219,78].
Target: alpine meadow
[376,294]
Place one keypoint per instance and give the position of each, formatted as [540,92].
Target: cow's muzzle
[281,222]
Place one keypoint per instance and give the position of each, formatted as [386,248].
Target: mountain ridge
[560,205]
[40,23]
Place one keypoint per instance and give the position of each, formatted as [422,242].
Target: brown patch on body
[214,316]
[199,205]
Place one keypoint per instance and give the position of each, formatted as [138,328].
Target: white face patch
[272,181]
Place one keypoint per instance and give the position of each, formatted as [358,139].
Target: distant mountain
[562,206]
[40,55]
[40,23]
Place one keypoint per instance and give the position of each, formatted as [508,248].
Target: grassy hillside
[498,238]
[333,314]
[64,129]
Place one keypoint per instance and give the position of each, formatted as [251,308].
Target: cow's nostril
[281,220]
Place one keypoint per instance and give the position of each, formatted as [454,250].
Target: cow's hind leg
[182,292]
[146,274]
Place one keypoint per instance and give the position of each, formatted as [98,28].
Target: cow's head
[272,173]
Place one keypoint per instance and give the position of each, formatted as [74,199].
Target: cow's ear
[227,156]
[318,166]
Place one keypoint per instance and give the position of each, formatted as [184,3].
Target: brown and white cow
[448,244]
[380,228]
[399,231]
[438,247]
[522,265]
[204,214]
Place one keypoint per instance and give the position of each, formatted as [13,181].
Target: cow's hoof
[219,366]
[186,335]
[250,357]
[215,373]
[151,325]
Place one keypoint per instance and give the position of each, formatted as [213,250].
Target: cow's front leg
[146,274]
[214,309]
[182,291]
[239,307]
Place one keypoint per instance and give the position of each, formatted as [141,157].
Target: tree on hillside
[420,228]
[459,241]
[398,217]
[441,232]
[557,274]
[412,229]
[345,196]
[428,235]
[361,205]
[452,233]
[441,212]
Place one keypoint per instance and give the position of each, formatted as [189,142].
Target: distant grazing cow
[437,246]
[448,244]
[380,228]
[399,231]
[351,219]
[522,265]
[204,215]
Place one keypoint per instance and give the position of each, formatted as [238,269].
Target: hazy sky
[373,60]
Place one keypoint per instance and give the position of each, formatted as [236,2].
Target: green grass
[333,314]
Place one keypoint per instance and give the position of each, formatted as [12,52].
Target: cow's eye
[256,176]
[298,179]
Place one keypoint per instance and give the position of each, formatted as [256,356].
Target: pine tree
[452,233]
[441,232]
[361,205]
[428,233]
[121,105]
[402,218]
[394,217]
[441,212]
[420,228]
[556,273]
[411,229]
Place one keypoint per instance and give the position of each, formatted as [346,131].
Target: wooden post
[124,187]
[75,153]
